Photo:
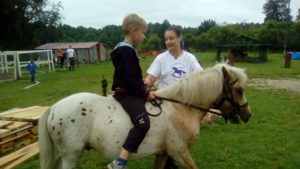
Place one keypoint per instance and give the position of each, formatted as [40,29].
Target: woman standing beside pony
[171,66]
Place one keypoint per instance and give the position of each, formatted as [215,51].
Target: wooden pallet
[30,114]
[19,128]
[11,160]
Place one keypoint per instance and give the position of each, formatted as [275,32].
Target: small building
[86,52]
[243,48]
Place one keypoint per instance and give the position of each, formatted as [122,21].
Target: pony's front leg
[160,161]
[70,157]
[68,162]
[185,159]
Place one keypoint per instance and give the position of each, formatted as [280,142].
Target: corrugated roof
[75,45]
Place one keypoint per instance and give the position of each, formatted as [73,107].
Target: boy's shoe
[114,165]
[171,164]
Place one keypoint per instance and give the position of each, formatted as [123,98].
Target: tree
[111,35]
[152,43]
[298,16]
[294,37]
[273,32]
[277,10]
[22,23]
[206,25]
[188,40]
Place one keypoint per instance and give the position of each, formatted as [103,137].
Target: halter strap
[158,101]
[190,105]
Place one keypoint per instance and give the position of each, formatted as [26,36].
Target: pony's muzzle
[245,115]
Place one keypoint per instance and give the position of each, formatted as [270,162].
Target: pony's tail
[47,152]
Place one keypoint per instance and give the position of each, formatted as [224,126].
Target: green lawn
[271,139]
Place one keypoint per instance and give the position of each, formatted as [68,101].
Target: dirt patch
[292,85]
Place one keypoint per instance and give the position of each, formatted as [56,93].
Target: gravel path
[292,85]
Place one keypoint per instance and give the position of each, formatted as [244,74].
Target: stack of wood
[18,128]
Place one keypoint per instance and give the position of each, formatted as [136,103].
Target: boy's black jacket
[128,73]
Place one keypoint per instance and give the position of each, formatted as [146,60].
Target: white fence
[13,60]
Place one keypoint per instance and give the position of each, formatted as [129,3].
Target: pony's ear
[225,73]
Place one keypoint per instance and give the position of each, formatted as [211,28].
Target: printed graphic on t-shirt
[177,73]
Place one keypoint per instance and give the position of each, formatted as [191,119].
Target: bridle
[227,95]
[227,90]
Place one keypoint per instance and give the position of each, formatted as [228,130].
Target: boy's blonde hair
[133,21]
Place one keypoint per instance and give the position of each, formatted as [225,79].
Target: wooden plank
[24,141]
[34,130]
[4,131]
[14,134]
[24,113]
[14,139]
[15,142]
[18,119]
[18,157]
[3,124]
[6,147]
[17,109]
[17,125]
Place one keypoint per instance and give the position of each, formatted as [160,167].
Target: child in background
[31,68]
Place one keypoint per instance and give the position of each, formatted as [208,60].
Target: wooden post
[18,66]
[15,66]
[287,58]
[2,62]
[51,59]
[5,64]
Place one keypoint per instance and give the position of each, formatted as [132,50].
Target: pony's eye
[240,91]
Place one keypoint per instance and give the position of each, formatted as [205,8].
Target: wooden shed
[87,52]
[243,48]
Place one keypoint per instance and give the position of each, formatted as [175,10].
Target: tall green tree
[273,32]
[206,25]
[277,10]
[298,16]
[294,37]
[23,21]
[110,35]
[153,42]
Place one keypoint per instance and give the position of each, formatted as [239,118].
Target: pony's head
[232,102]
[221,86]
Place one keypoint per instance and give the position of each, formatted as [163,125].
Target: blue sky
[187,13]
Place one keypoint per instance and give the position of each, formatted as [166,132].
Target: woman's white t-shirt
[170,69]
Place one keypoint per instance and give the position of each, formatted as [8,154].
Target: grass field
[270,140]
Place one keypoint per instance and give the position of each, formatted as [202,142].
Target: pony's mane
[201,87]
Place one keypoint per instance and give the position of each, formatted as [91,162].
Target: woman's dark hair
[175,29]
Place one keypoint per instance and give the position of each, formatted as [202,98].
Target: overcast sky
[187,13]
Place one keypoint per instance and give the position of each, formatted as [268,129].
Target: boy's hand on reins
[150,96]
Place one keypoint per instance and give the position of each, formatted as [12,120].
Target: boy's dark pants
[135,107]
[32,76]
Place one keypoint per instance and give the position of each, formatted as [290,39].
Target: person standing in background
[71,57]
[31,66]
[60,56]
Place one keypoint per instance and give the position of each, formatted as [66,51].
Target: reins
[158,101]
